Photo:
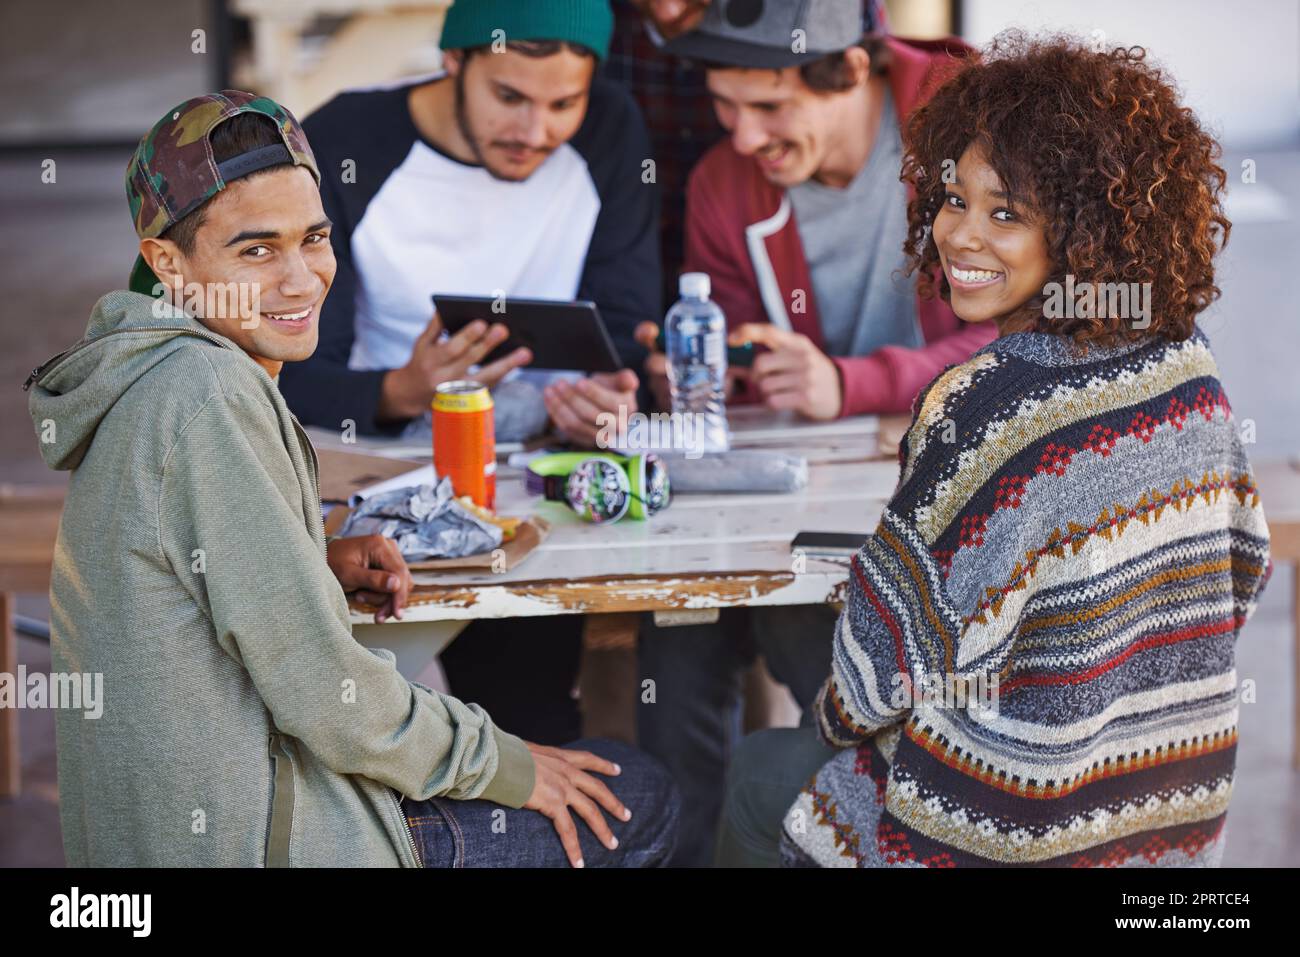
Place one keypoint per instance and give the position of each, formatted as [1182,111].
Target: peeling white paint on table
[703,551]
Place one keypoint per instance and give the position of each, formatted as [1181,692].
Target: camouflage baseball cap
[173,171]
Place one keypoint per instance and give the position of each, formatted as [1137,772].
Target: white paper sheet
[421,476]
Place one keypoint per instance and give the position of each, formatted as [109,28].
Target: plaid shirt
[679,115]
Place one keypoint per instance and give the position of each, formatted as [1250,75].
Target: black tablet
[561,334]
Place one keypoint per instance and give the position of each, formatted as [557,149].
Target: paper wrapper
[531,533]
[426,521]
[528,536]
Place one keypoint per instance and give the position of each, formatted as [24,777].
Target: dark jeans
[769,770]
[694,723]
[523,672]
[452,833]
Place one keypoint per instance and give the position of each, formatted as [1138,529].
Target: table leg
[607,677]
[10,756]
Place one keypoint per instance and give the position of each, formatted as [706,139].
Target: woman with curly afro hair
[1089,167]
[1035,661]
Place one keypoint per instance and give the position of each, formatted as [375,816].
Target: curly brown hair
[1094,147]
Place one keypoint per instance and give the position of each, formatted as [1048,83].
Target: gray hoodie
[242,724]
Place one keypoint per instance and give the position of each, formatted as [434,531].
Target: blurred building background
[81,80]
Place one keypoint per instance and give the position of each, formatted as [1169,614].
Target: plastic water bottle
[695,331]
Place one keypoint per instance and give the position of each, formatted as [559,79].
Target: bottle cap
[695,285]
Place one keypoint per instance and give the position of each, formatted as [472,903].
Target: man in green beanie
[241,724]
[516,170]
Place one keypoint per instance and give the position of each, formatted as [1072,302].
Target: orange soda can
[464,440]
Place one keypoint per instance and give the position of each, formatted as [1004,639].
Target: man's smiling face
[776,118]
[264,238]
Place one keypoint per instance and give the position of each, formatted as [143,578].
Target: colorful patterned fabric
[1083,534]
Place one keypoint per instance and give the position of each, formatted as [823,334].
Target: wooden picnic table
[705,551]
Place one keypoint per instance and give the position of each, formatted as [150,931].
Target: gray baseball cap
[771,34]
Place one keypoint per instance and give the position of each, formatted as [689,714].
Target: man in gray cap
[799,219]
[674,99]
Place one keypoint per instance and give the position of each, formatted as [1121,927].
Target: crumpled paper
[425,521]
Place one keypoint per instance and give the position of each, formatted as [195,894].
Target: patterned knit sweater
[1074,544]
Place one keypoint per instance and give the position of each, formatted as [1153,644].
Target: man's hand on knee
[562,783]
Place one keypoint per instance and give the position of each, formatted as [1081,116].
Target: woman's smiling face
[994,258]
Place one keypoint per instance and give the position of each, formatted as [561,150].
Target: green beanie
[473,23]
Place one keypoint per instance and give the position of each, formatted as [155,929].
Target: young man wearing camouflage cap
[242,723]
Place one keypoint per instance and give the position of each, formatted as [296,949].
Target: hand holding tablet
[558,334]
[408,392]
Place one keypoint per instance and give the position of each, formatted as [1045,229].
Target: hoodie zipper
[86,343]
[406,827]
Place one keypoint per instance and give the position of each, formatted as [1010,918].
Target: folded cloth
[740,470]
[425,521]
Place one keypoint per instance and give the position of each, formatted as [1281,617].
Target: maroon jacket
[740,229]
